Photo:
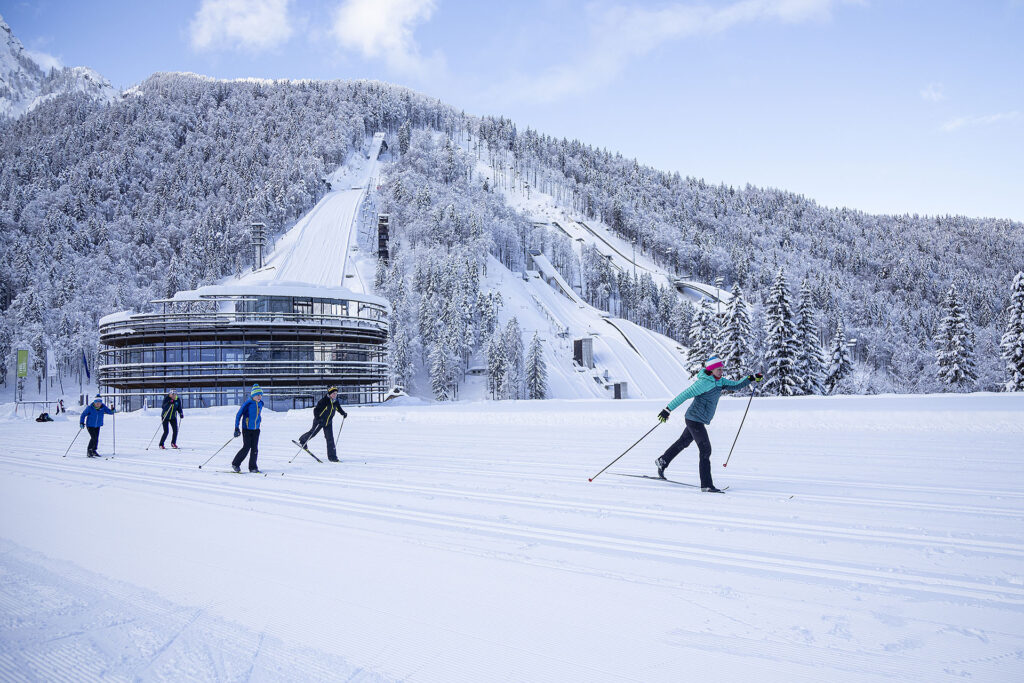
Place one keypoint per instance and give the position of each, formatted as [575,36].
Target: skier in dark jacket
[169,413]
[92,418]
[322,414]
[249,416]
[705,392]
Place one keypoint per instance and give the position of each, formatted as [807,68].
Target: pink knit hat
[714,362]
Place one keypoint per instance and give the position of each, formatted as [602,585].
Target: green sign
[22,362]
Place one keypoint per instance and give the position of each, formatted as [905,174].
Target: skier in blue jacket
[249,416]
[92,418]
[705,392]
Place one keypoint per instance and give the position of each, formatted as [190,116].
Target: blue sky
[895,106]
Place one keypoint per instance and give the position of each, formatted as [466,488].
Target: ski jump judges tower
[213,343]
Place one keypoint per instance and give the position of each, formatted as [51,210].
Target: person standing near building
[705,392]
[249,416]
[322,414]
[169,413]
[92,419]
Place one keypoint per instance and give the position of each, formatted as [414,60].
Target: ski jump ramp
[652,365]
[317,249]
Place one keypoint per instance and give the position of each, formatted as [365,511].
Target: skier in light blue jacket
[705,392]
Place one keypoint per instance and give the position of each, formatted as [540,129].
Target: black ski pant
[94,439]
[250,446]
[173,422]
[328,436]
[695,431]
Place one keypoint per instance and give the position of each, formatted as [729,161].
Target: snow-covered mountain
[25,84]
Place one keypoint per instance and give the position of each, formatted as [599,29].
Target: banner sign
[22,362]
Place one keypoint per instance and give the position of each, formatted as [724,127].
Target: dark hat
[331,390]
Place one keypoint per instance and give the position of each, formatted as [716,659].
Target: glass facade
[213,348]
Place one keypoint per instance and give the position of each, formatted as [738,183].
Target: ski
[670,481]
[307,450]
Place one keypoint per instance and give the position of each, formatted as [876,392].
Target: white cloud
[383,29]
[248,24]
[43,59]
[933,92]
[621,33]
[977,121]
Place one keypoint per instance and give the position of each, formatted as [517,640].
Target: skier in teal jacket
[705,392]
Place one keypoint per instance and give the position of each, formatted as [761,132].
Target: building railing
[199,372]
[195,323]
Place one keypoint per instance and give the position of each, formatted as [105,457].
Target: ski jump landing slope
[652,364]
[317,248]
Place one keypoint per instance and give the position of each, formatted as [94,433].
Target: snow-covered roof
[275,288]
[116,317]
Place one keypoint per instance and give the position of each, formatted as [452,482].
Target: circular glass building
[213,343]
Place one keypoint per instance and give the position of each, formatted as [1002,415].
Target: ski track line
[917,540]
[843,499]
[739,523]
[943,586]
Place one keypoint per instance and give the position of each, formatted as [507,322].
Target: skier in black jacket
[169,413]
[322,414]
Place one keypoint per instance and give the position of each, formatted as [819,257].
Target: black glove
[663,415]
[344,414]
[238,432]
[755,378]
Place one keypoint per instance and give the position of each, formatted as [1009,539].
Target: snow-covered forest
[106,206]
[103,208]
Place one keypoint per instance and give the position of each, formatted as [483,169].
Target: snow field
[863,538]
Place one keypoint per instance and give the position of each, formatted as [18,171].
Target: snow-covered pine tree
[442,370]
[810,365]
[496,364]
[840,364]
[683,317]
[734,348]
[513,379]
[536,370]
[1012,342]
[702,338]
[404,137]
[780,352]
[954,345]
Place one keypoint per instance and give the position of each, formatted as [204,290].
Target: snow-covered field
[861,539]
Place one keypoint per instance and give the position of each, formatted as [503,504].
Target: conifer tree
[1012,342]
[810,365]
[840,364]
[536,370]
[780,353]
[702,338]
[734,348]
[954,346]
[512,340]
[404,137]
[442,370]
[496,364]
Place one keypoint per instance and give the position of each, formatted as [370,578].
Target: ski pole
[726,463]
[624,452]
[72,442]
[154,434]
[218,451]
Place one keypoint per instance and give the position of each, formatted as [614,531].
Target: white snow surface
[862,539]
